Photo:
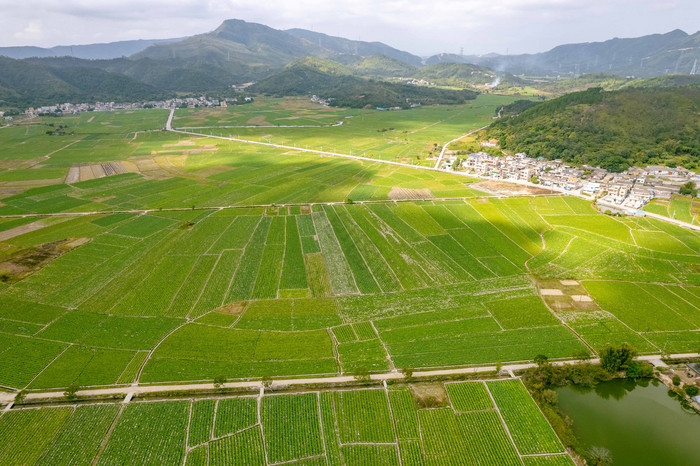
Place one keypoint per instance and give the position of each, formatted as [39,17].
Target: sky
[422,27]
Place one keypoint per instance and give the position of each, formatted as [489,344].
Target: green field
[682,208]
[210,258]
[449,278]
[408,135]
[352,427]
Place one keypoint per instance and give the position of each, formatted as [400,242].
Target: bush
[638,370]
[676,380]
[617,358]
[692,390]
[219,381]
[71,392]
[541,359]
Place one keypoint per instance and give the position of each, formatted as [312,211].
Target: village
[631,189]
[185,102]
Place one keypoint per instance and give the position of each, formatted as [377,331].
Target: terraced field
[352,427]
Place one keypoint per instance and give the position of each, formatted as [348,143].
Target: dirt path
[310,381]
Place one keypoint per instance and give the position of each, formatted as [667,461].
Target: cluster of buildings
[185,102]
[632,188]
[416,82]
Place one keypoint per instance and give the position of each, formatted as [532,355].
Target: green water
[639,423]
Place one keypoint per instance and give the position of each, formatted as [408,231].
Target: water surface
[638,422]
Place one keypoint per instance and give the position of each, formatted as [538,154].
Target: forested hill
[613,130]
[330,80]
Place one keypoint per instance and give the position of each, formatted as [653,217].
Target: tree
[689,189]
[599,456]
[676,380]
[582,355]
[534,180]
[692,390]
[617,358]
[638,370]
[71,392]
[408,372]
[541,359]
[219,381]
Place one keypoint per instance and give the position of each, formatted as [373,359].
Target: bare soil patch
[398,194]
[185,142]
[429,395]
[551,292]
[27,261]
[232,308]
[257,120]
[507,189]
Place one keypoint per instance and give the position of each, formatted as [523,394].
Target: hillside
[381,65]
[613,130]
[355,47]
[330,80]
[250,51]
[27,83]
[646,56]
[457,74]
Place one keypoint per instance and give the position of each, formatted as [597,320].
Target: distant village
[188,102]
[632,188]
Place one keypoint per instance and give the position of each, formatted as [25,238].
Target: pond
[638,422]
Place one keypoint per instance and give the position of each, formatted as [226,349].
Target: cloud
[420,26]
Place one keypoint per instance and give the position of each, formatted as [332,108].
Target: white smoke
[496,81]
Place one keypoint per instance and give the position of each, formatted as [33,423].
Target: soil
[232,308]
[28,261]
[429,395]
[507,189]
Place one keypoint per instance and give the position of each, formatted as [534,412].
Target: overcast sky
[423,27]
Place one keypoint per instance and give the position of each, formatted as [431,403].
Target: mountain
[252,51]
[646,56]
[381,65]
[355,47]
[26,83]
[456,74]
[88,52]
[334,82]
[613,130]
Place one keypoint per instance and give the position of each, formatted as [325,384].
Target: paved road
[444,148]
[136,390]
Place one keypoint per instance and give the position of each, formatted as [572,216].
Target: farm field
[283,265]
[407,136]
[329,427]
[336,289]
[681,208]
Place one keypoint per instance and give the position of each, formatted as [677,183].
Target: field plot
[408,136]
[269,270]
[356,426]
[389,285]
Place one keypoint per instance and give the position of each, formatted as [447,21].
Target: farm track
[136,390]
